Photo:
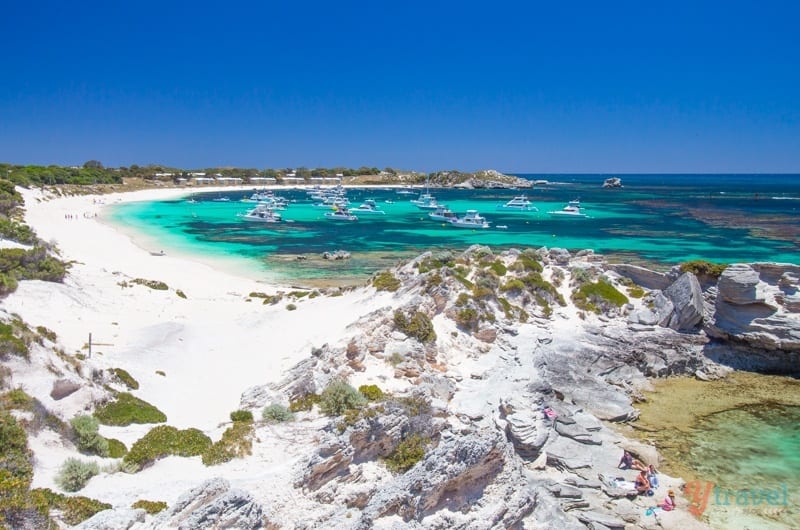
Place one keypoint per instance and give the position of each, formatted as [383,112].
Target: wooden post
[90,345]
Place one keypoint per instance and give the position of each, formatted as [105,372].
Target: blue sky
[546,87]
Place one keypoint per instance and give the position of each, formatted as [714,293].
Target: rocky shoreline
[510,369]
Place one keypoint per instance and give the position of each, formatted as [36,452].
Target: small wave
[786,198]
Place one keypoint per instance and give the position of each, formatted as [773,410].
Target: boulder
[687,298]
[640,276]
[738,285]
[119,519]
[63,388]
[528,432]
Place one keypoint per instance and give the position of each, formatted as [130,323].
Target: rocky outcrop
[647,278]
[119,519]
[212,505]
[63,388]
[687,301]
[757,305]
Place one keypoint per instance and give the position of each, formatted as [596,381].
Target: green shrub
[87,438]
[596,296]
[386,281]
[163,441]
[434,263]
[291,307]
[16,399]
[126,378]
[635,291]
[151,507]
[180,293]
[498,267]
[419,326]
[338,397]
[153,284]
[513,285]
[236,442]
[74,474]
[528,261]
[371,392]
[116,449]
[161,373]
[298,294]
[12,344]
[304,402]
[395,358]
[46,333]
[74,509]
[276,413]
[128,409]
[703,268]
[407,453]
[241,415]
[462,300]
[467,318]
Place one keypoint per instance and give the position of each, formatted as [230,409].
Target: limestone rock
[738,285]
[119,519]
[641,276]
[63,388]
[687,298]
[331,460]
[212,505]
[528,432]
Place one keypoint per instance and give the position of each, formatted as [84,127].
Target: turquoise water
[657,220]
[752,448]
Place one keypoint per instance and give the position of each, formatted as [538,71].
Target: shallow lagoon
[658,220]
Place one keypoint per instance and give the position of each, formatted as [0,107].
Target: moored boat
[471,219]
[571,210]
[425,201]
[262,213]
[519,204]
[442,213]
[341,214]
[368,207]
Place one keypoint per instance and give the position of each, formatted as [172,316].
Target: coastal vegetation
[87,438]
[386,281]
[598,297]
[339,397]
[703,268]
[74,474]
[156,285]
[125,378]
[236,442]
[304,403]
[163,441]
[417,326]
[151,507]
[407,453]
[371,392]
[241,415]
[127,409]
[276,413]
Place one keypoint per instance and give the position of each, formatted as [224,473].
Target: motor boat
[368,207]
[425,201]
[519,204]
[341,214]
[471,219]
[262,213]
[571,210]
[442,213]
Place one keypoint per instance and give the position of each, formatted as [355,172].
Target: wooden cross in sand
[96,344]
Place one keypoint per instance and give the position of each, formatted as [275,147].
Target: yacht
[471,219]
[262,213]
[442,213]
[571,210]
[425,201]
[341,214]
[519,204]
[368,207]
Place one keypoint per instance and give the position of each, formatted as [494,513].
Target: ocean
[653,220]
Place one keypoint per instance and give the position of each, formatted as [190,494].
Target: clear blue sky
[517,86]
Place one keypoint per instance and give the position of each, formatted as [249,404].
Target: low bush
[163,441]
[596,297]
[153,284]
[236,442]
[241,415]
[74,474]
[276,413]
[395,358]
[304,403]
[46,333]
[74,509]
[386,281]
[87,437]
[180,293]
[116,449]
[12,344]
[407,453]
[371,392]
[151,507]
[467,318]
[128,409]
[703,268]
[635,291]
[418,326]
[338,397]
[498,268]
[126,378]
[291,307]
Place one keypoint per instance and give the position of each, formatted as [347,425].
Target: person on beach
[641,483]
[638,465]
[626,461]
[652,476]
[669,502]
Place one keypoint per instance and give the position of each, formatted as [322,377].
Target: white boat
[425,201]
[262,213]
[471,219]
[341,214]
[221,199]
[571,210]
[368,207]
[519,204]
[442,213]
[406,191]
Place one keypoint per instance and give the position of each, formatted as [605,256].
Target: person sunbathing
[641,483]
[669,502]
[638,465]
[626,461]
